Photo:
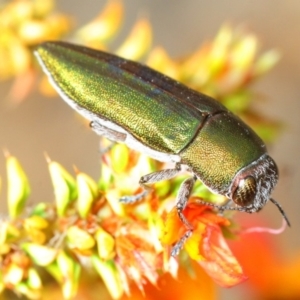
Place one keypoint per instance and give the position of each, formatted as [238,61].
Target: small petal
[105,26]
[18,186]
[41,8]
[33,32]
[64,185]
[35,222]
[207,244]
[119,157]
[13,275]
[8,232]
[2,286]
[70,270]
[37,236]
[219,261]
[34,280]
[109,274]
[243,53]
[41,255]
[105,244]
[138,42]
[266,62]
[217,56]
[79,238]
[159,60]
[30,293]
[106,178]
[87,193]
[173,228]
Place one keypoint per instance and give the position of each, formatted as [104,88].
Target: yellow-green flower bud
[138,42]
[70,271]
[266,62]
[105,26]
[34,280]
[80,239]
[105,244]
[87,193]
[64,185]
[35,222]
[14,274]
[8,232]
[30,293]
[1,282]
[110,275]
[18,186]
[106,178]
[119,158]
[40,255]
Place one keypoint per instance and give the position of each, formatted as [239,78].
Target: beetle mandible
[154,114]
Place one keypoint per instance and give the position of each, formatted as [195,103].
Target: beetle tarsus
[134,198]
[151,178]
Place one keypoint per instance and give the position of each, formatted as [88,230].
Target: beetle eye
[245,192]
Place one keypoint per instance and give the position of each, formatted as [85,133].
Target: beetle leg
[182,199]
[221,208]
[151,178]
[107,132]
[181,202]
[224,206]
[179,245]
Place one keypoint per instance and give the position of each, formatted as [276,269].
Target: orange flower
[136,254]
[206,245]
[184,286]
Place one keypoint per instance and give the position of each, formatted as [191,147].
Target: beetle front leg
[151,178]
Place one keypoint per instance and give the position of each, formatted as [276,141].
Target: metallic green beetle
[154,114]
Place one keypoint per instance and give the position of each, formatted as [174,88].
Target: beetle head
[252,185]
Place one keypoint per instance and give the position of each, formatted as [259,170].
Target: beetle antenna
[281,211]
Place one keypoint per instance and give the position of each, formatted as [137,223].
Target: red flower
[206,245]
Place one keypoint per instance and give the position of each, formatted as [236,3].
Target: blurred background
[42,124]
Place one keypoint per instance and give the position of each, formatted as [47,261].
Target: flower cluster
[122,243]
[24,24]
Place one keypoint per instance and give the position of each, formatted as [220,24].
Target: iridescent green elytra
[131,103]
